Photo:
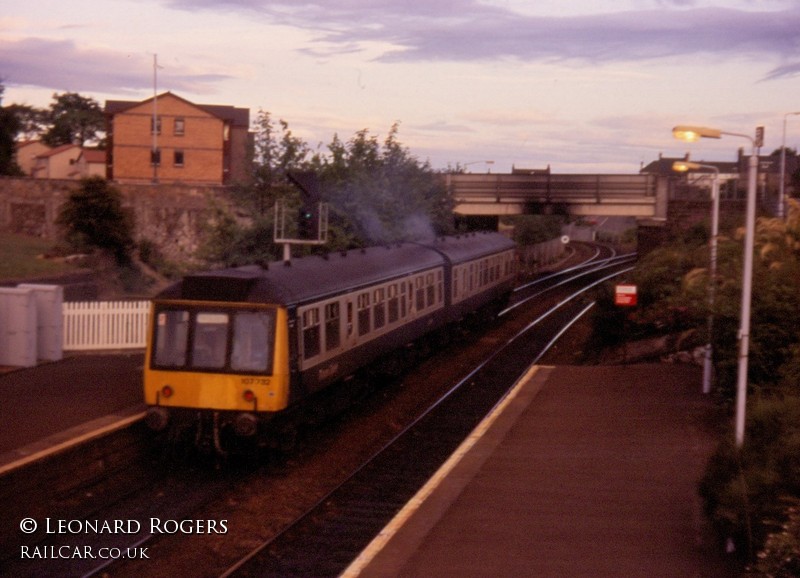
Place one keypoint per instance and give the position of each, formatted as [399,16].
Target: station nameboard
[625,295]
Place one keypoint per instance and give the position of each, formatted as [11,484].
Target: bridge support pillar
[650,234]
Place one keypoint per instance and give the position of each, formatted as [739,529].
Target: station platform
[54,404]
[580,472]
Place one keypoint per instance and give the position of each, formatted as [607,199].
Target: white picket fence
[98,325]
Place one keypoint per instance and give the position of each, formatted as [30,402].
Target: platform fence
[104,325]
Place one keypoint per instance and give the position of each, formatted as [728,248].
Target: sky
[581,86]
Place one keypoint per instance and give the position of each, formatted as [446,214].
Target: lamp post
[684,166]
[782,194]
[695,133]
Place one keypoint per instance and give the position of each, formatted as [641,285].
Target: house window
[179,126]
[178,158]
[157,125]
[155,157]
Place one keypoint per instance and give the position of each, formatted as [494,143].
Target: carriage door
[350,322]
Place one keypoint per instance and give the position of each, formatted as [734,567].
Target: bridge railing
[550,188]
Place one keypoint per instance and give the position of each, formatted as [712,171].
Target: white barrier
[97,325]
[17,327]
[49,300]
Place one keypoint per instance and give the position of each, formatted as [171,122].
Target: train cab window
[210,340]
[393,304]
[311,333]
[364,323]
[172,332]
[332,315]
[379,308]
[252,343]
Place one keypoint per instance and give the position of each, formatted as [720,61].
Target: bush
[93,218]
[742,489]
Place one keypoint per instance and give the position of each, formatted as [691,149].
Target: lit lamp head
[695,133]
[685,166]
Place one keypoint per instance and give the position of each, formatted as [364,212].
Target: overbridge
[539,192]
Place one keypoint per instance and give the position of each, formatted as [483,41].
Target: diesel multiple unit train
[230,350]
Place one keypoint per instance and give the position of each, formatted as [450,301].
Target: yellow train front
[231,350]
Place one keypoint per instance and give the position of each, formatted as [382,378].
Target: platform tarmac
[60,403]
[581,472]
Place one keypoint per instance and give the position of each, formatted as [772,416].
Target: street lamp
[682,167]
[691,134]
[781,195]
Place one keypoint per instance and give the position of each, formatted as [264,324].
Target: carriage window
[311,333]
[210,342]
[252,346]
[430,289]
[379,309]
[332,326]
[172,331]
[394,304]
[363,314]
[419,284]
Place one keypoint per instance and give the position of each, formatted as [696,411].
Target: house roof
[239,117]
[26,143]
[57,151]
[94,156]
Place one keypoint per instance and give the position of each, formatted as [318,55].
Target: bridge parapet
[634,195]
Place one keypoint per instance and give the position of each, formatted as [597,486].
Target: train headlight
[167,391]
[245,425]
[249,396]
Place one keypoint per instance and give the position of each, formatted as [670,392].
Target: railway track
[330,535]
[189,493]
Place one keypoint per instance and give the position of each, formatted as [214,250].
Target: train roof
[317,277]
[460,248]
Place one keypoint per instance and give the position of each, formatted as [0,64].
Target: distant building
[57,163]
[26,154]
[697,183]
[184,143]
[91,163]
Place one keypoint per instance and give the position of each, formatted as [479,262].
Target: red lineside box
[625,295]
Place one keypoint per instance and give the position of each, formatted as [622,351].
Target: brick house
[57,163]
[194,143]
[26,153]
[91,163]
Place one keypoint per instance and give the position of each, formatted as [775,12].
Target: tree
[276,151]
[32,122]
[382,192]
[93,217]
[73,119]
[9,125]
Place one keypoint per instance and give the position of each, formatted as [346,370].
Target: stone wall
[171,216]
